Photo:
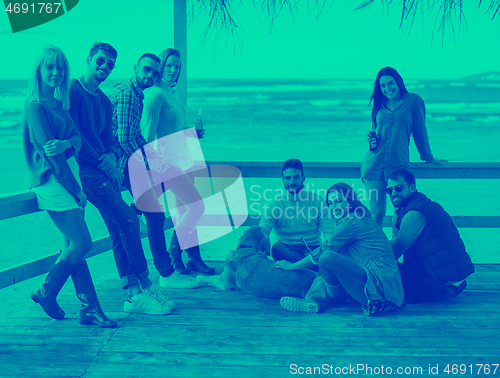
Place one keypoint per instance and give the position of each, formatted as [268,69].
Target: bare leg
[186,192]
[72,225]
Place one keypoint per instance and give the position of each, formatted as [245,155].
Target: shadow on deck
[229,334]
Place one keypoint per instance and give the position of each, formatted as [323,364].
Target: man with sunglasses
[92,112]
[127,100]
[434,256]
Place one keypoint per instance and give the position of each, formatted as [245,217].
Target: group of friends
[78,141]
[355,258]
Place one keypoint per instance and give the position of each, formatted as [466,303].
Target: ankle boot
[47,293]
[311,302]
[91,311]
[195,263]
[175,252]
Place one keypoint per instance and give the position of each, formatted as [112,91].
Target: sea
[315,120]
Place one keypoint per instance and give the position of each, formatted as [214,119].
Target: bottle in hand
[199,120]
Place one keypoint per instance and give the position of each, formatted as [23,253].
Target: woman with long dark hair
[396,115]
[51,141]
[357,259]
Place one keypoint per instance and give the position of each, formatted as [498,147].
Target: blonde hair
[163,60]
[50,54]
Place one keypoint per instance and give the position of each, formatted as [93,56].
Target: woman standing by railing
[51,141]
[396,115]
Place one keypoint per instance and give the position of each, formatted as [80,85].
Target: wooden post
[180,43]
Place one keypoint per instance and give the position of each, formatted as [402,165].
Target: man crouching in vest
[434,256]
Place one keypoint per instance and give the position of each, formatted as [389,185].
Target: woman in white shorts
[51,141]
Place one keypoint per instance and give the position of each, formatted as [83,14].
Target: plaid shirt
[127,111]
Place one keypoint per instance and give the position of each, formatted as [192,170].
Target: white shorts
[53,196]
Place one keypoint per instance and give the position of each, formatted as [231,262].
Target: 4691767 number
[33,7]
[471,369]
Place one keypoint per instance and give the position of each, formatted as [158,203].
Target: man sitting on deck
[434,255]
[297,215]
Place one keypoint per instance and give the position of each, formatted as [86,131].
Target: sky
[340,43]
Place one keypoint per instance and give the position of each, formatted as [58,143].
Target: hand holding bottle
[200,132]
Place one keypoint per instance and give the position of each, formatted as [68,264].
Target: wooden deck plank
[269,359]
[52,370]
[229,334]
[158,365]
[284,343]
[299,331]
[459,305]
[49,354]
[227,318]
[437,320]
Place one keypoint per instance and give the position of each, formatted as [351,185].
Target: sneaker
[299,305]
[155,291]
[144,303]
[178,281]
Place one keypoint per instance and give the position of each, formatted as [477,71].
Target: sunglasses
[397,188]
[109,64]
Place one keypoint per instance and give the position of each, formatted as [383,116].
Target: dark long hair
[377,96]
[350,195]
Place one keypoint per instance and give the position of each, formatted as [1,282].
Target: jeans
[337,269]
[290,252]
[123,227]
[155,222]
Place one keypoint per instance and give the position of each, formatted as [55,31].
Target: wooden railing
[19,204]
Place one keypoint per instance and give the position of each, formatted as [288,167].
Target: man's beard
[402,201]
[295,190]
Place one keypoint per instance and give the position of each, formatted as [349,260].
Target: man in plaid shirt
[127,99]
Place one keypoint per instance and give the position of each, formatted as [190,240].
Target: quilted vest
[438,256]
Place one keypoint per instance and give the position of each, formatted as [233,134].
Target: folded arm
[411,226]
[41,133]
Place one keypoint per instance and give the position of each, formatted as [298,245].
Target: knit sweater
[295,216]
[93,115]
[41,124]
[162,120]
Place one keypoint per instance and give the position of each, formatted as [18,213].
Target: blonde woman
[51,142]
